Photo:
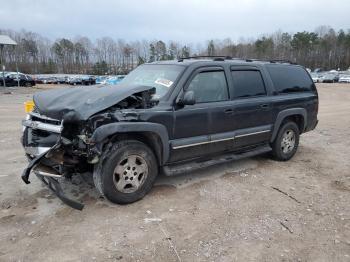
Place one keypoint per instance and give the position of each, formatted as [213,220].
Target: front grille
[44,119]
[36,133]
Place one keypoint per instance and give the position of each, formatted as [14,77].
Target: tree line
[323,48]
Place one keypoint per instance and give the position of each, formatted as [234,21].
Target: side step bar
[178,169]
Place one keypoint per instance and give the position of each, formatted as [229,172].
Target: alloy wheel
[130,174]
[288,141]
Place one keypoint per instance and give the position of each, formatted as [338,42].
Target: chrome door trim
[240,135]
[254,133]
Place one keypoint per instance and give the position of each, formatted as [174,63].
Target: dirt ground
[232,212]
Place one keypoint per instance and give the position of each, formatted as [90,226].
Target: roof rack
[223,58]
[215,57]
[273,61]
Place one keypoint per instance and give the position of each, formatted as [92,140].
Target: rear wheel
[286,143]
[127,173]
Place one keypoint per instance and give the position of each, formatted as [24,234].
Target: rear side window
[288,79]
[247,83]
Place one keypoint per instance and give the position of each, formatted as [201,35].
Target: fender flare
[285,113]
[102,132]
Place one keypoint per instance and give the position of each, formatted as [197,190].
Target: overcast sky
[182,20]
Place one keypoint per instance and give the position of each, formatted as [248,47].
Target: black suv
[14,79]
[170,117]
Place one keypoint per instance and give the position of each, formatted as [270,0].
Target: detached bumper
[41,136]
[49,177]
[56,188]
[36,151]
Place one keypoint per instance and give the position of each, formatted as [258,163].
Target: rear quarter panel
[306,100]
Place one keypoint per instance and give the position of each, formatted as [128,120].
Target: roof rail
[223,58]
[273,61]
[215,57]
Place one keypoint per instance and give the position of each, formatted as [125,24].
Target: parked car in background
[38,79]
[88,80]
[330,78]
[315,77]
[100,79]
[344,79]
[113,80]
[49,80]
[75,81]
[15,79]
[61,80]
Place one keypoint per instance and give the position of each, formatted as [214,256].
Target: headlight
[29,106]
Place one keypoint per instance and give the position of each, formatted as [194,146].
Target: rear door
[251,105]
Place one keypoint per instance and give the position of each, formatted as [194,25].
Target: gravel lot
[232,212]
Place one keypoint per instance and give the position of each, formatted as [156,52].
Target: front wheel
[286,143]
[127,173]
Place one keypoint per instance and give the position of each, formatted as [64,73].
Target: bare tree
[324,48]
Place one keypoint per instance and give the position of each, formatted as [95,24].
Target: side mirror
[188,98]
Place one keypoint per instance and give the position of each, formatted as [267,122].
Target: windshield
[161,77]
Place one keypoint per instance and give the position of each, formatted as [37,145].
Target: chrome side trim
[43,126]
[254,133]
[221,140]
[203,143]
[189,145]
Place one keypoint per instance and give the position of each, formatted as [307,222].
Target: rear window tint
[247,84]
[288,79]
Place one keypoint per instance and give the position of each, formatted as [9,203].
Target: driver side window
[209,87]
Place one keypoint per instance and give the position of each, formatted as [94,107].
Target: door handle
[264,106]
[228,111]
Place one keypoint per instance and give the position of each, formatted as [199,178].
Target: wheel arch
[297,115]
[153,135]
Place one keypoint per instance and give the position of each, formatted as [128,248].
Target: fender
[122,127]
[285,113]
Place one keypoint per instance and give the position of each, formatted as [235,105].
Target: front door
[192,128]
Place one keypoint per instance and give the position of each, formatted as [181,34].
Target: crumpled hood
[83,101]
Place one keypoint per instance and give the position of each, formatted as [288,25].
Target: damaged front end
[45,149]
[57,149]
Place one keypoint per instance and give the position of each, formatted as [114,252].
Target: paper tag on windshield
[164,82]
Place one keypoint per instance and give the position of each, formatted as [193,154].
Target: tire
[286,143]
[28,84]
[126,172]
